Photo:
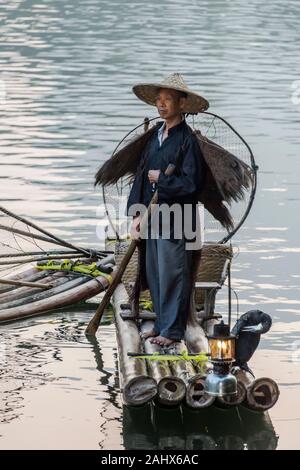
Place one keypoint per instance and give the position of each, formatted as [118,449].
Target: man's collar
[173,128]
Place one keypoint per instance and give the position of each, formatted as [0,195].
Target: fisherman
[205,172]
[169,247]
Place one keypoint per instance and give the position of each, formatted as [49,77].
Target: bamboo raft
[166,383]
[171,383]
[33,292]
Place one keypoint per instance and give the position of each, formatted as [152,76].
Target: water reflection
[152,427]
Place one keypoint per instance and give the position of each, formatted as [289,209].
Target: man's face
[169,103]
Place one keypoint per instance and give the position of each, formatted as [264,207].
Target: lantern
[220,382]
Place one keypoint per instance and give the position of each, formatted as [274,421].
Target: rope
[67,265]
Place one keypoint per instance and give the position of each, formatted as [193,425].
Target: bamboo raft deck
[166,383]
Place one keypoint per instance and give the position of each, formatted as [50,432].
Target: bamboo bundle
[136,385]
[88,288]
[170,389]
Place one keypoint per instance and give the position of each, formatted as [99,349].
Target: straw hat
[147,92]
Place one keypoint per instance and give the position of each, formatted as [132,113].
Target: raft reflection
[153,427]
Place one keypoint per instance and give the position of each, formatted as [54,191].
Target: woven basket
[211,267]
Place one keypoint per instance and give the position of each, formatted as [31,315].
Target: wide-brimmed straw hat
[147,92]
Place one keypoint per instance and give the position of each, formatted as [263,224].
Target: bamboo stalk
[136,385]
[170,389]
[262,393]
[195,397]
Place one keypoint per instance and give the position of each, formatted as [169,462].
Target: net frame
[122,187]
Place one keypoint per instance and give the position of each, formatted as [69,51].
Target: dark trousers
[168,268]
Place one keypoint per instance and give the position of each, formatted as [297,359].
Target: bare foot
[148,334]
[162,341]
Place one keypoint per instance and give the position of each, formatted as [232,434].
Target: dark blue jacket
[185,184]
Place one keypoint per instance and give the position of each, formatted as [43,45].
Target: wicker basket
[211,267]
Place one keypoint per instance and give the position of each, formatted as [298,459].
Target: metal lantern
[220,382]
[222,344]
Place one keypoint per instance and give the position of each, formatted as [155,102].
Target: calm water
[66,72]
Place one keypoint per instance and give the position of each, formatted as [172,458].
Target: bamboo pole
[137,386]
[52,237]
[54,241]
[60,284]
[262,393]
[25,284]
[41,258]
[22,292]
[33,253]
[170,389]
[31,274]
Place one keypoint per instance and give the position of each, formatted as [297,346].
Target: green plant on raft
[146,304]
[200,359]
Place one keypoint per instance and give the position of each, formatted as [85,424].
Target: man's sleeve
[189,178]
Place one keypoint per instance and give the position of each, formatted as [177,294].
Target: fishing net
[220,132]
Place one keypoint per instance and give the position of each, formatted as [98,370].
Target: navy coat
[185,184]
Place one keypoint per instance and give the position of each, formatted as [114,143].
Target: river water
[66,74]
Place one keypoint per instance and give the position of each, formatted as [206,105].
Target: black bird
[248,329]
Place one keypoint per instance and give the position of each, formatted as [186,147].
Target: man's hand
[153,175]
[135,228]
